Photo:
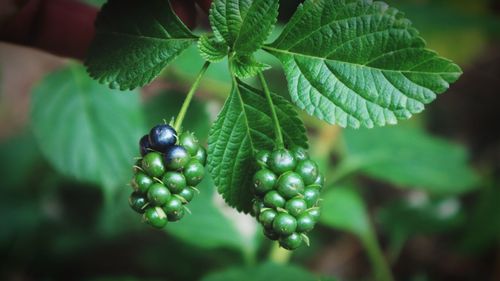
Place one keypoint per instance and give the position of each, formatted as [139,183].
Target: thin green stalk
[277,129]
[279,255]
[189,97]
[379,263]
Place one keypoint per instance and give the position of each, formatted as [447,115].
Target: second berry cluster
[287,189]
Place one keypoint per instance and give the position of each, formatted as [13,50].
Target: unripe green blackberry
[281,161]
[153,165]
[308,170]
[296,206]
[299,153]
[305,222]
[166,176]
[158,194]
[266,217]
[274,200]
[257,206]
[194,172]
[290,184]
[311,195]
[264,181]
[201,155]
[284,224]
[175,181]
[142,182]
[187,193]
[189,142]
[138,202]
[291,242]
[155,217]
[262,158]
[287,188]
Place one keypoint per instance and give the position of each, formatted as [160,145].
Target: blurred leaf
[123,278]
[419,215]
[85,130]
[420,277]
[449,15]
[134,42]
[18,216]
[207,227]
[482,227]
[408,157]
[264,272]
[19,155]
[166,106]
[343,208]
[97,3]
[442,22]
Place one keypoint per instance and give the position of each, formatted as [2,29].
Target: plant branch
[379,263]
[277,129]
[279,255]
[189,97]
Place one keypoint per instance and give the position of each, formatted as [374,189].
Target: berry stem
[189,97]
[277,129]
[279,255]
[381,268]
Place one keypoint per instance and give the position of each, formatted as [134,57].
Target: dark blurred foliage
[57,228]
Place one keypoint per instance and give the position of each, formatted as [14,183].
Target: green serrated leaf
[134,41]
[211,49]
[243,24]
[408,157]
[85,130]
[263,272]
[359,63]
[247,66]
[243,127]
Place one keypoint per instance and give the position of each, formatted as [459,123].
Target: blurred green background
[423,194]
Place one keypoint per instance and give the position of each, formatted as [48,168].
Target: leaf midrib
[242,103]
[86,111]
[287,52]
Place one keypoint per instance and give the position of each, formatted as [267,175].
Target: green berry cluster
[166,176]
[287,189]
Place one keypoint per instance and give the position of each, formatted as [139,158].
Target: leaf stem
[381,268]
[279,255]
[189,97]
[280,144]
